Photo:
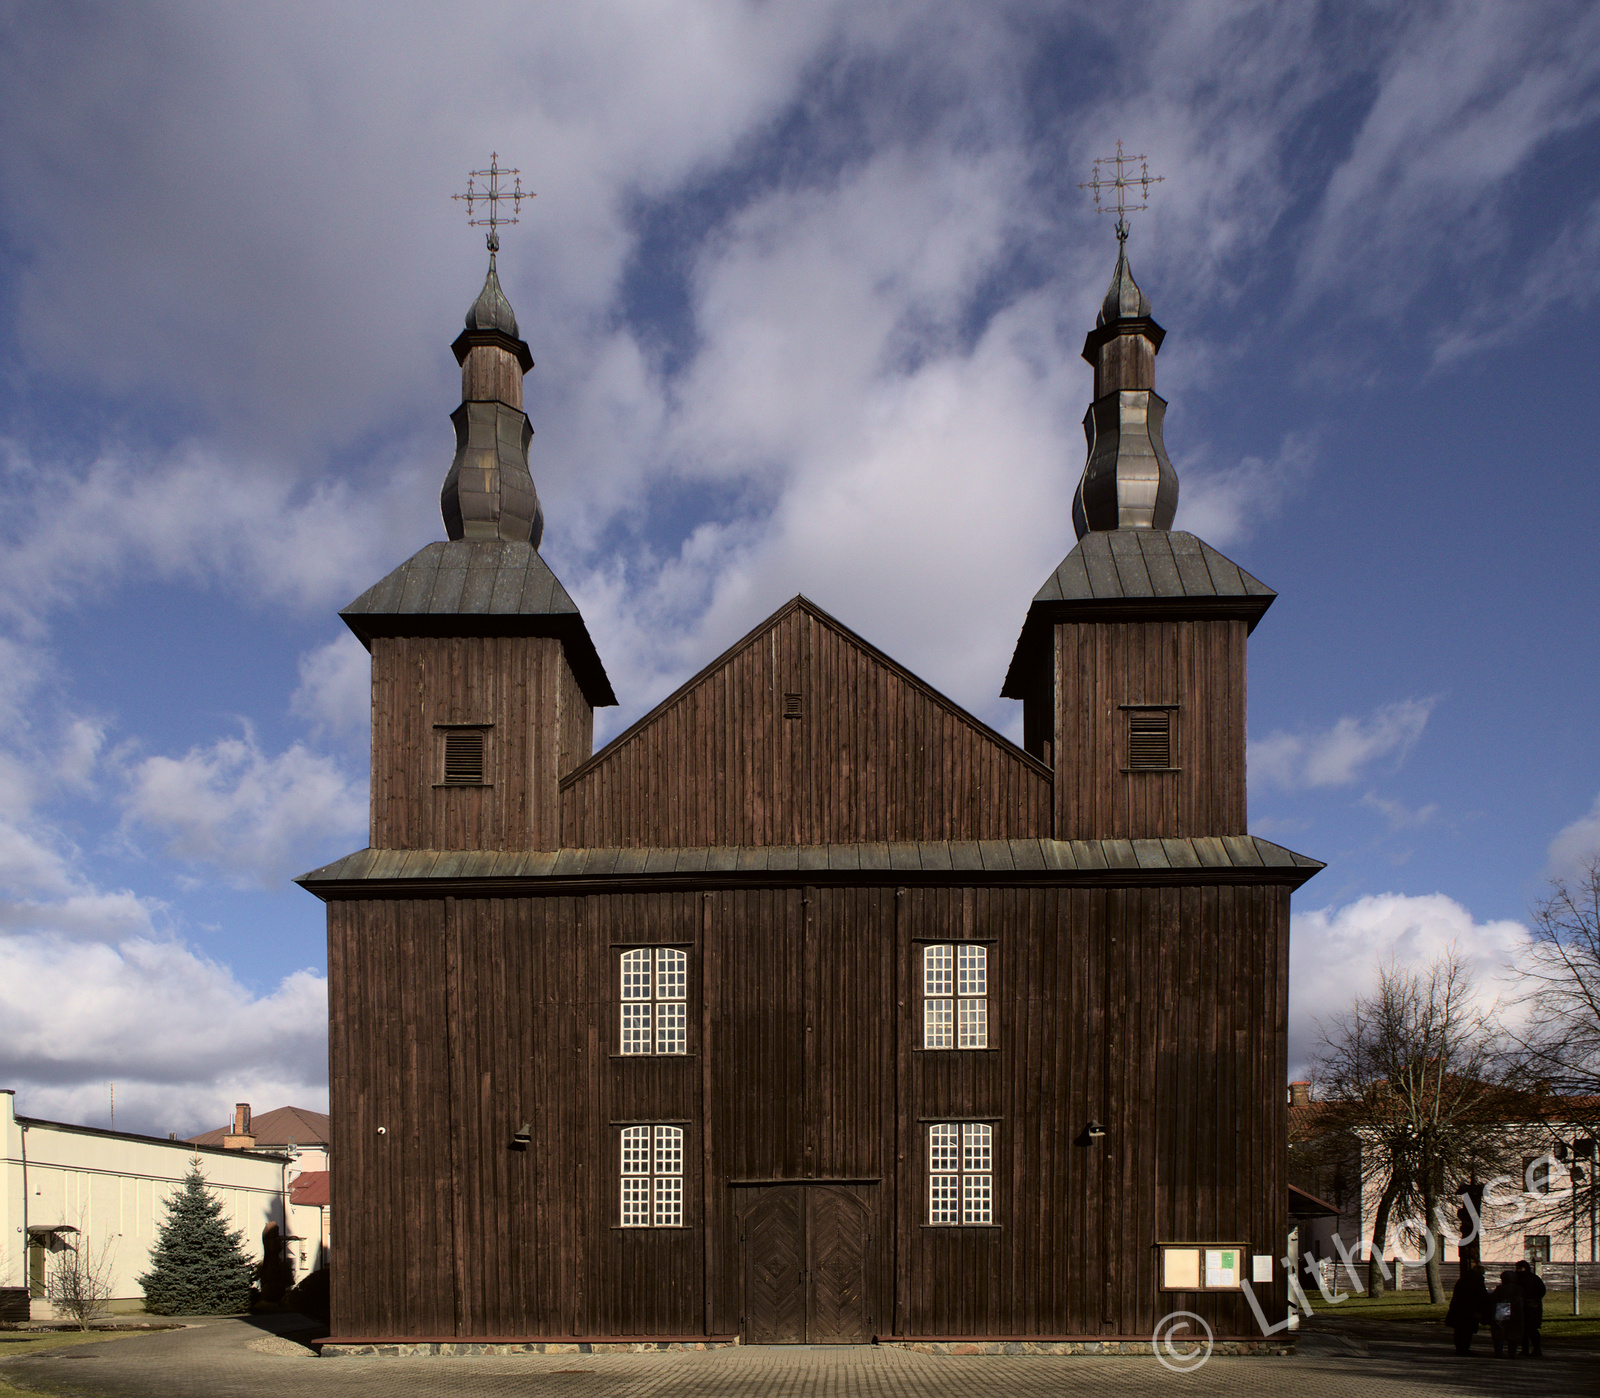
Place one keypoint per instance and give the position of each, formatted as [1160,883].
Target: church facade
[809,1008]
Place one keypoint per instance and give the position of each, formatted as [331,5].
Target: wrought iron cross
[493,196]
[1122,182]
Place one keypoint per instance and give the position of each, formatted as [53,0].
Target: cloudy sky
[806,285]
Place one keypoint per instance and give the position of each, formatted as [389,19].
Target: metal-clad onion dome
[488,492]
[1124,300]
[1128,482]
[491,311]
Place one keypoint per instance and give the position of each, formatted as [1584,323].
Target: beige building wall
[1512,1214]
[112,1187]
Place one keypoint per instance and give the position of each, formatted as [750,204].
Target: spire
[1124,300]
[488,493]
[1128,483]
[491,311]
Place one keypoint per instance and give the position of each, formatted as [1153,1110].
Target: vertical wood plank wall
[1159,1011]
[1198,665]
[874,755]
[539,728]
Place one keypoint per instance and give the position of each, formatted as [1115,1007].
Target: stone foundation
[411,1349]
[1122,1346]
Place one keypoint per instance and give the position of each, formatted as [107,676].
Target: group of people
[1513,1311]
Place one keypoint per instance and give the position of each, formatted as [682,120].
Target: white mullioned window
[955,996]
[655,1010]
[960,1173]
[652,1176]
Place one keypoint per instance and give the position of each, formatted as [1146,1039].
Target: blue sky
[806,287]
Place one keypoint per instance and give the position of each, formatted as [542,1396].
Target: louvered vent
[1149,740]
[463,758]
[791,706]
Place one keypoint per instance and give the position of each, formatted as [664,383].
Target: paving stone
[233,1358]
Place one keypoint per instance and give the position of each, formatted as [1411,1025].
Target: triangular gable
[804,733]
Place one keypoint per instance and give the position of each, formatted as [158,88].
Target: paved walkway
[241,1359]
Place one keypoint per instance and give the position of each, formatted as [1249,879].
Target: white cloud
[255,817]
[336,686]
[180,1037]
[1465,99]
[74,529]
[1398,814]
[1337,755]
[1224,504]
[1575,845]
[1336,954]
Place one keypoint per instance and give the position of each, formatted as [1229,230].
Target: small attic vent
[1149,740]
[463,757]
[791,706]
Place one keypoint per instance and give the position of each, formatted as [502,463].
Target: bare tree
[1419,1074]
[80,1279]
[1561,1046]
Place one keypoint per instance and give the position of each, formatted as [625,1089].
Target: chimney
[1299,1094]
[240,1138]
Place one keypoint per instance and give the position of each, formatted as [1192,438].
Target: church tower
[484,679]
[1131,663]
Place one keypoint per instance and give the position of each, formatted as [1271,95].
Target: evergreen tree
[198,1266]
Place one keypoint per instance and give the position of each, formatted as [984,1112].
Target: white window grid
[652,1177]
[960,1173]
[655,1010]
[955,996]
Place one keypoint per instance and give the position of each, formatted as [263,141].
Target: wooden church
[809,1008]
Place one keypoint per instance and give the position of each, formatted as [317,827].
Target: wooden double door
[807,1255]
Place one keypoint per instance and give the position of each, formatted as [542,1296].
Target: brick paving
[241,1359]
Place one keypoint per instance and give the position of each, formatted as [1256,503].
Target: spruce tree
[198,1265]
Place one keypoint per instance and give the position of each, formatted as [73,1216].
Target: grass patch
[15,1342]
[1413,1307]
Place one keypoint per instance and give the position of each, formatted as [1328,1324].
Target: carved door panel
[838,1233]
[806,1251]
[774,1270]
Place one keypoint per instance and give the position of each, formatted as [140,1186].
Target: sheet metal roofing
[309,1187]
[1231,858]
[1131,564]
[1122,571]
[276,1128]
[480,586]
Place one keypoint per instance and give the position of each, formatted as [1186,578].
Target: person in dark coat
[1505,1317]
[1469,1304]
[1533,1289]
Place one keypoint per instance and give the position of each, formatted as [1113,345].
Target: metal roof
[1124,564]
[1128,574]
[491,311]
[277,1127]
[1123,300]
[1217,859]
[480,587]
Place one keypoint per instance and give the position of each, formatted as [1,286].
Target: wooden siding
[1100,667]
[874,755]
[539,728]
[1159,1011]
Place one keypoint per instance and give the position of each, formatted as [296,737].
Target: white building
[79,1186]
[302,1135]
